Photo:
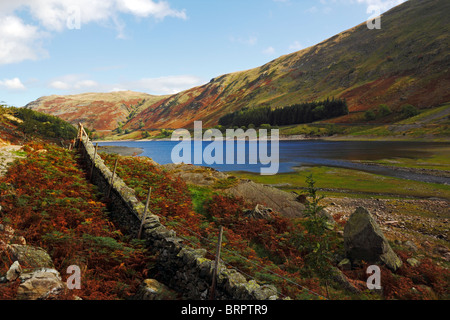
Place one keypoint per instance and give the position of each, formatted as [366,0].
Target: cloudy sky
[159,47]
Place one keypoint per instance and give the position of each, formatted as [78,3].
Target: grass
[353,182]
[436,162]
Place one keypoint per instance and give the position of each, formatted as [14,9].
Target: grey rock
[411,245]
[341,280]
[30,257]
[39,285]
[364,240]
[280,201]
[260,212]
[14,271]
[152,289]
[413,262]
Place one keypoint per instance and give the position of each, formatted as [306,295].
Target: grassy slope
[404,62]
[345,182]
[100,111]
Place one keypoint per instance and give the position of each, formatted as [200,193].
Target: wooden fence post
[112,178]
[216,265]
[144,215]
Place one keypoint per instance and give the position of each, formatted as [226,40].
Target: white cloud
[77,83]
[295,46]
[12,84]
[73,82]
[60,85]
[164,85]
[21,41]
[145,8]
[249,41]
[383,5]
[269,51]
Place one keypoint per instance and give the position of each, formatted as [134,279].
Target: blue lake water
[294,154]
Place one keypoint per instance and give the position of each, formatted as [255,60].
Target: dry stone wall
[181,267]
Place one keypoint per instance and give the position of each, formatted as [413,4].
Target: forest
[306,112]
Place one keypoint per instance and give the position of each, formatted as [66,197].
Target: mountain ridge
[405,62]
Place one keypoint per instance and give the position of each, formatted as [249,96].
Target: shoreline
[298,138]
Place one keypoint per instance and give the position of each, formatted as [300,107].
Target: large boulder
[364,240]
[280,201]
[30,257]
[41,284]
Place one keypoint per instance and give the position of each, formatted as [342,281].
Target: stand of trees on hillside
[294,114]
[33,123]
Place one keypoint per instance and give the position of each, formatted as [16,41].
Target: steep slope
[100,111]
[406,61]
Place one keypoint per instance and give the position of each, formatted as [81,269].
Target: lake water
[308,153]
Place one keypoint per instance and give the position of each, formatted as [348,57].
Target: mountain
[99,111]
[405,62]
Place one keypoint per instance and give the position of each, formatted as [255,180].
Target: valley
[364,127]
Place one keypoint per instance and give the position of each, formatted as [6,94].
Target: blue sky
[158,47]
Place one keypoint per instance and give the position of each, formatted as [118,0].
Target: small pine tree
[316,243]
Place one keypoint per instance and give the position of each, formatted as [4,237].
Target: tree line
[294,114]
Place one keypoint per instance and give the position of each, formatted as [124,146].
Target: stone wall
[184,269]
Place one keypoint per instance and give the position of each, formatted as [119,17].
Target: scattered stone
[363,240]
[446,256]
[22,240]
[345,264]
[338,277]
[411,245]
[39,285]
[413,262]
[260,212]
[151,289]
[441,250]
[14,271]
[30,257]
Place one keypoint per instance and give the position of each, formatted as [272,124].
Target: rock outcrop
[364,240]
[280,201]
[32,266]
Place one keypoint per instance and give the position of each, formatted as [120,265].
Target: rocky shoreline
[123,151]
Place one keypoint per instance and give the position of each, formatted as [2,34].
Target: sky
[158,47]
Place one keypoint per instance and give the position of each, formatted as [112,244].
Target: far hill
[99,111]
[405,62]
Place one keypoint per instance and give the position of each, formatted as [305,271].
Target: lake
[299,153]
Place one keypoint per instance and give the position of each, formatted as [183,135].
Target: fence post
[216,265]
[144,215]
[112,178]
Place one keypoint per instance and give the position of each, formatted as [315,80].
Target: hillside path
[7,156]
